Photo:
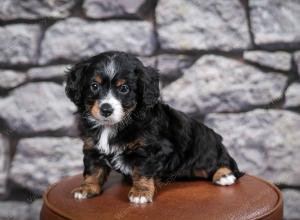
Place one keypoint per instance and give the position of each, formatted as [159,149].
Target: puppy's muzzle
[106,110]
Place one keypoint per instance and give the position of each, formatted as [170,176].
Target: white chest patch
[103,143]
[117,161]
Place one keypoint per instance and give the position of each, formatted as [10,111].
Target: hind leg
[224,177]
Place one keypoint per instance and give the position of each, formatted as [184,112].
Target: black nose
[106,109]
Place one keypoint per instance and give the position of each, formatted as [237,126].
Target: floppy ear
[148,86]
[75,83]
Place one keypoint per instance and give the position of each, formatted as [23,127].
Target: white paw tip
[139,199]
[79,195]
[226,180]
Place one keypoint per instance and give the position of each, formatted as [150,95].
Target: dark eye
[123,89]
[94,87]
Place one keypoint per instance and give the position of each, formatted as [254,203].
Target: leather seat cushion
[250,198]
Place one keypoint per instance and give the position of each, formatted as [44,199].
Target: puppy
[126,127]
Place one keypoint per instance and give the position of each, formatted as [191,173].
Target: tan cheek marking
[95,110]
[98,79]
[120,82]
[223,171]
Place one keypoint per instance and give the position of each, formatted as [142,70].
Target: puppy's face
[107,88]
[111,90]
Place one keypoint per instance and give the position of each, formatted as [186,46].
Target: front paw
[86,191]
[140,196]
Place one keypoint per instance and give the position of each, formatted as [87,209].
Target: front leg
[143,188]
[95,174]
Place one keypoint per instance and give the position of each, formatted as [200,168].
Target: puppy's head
[109,87]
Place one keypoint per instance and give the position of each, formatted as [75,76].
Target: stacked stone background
[233,64]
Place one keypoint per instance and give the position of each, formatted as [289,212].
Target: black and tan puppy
[126,127]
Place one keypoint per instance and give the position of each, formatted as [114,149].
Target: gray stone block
[38,107]
[107,8]
[33,9]
[11,78]
[291,204]
[219,84]
[169,64]
[148,61]
[279,60]
[292,96]
[13,210]
[78,39]
[297,61]
[202,25]
[4,162]
[42,161]
[19,43]
[275,21]
[48,72]
[35,209]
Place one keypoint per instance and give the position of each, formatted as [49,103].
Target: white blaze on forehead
[110,68]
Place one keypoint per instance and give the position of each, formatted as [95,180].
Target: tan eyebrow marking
[98,79]
[120,82]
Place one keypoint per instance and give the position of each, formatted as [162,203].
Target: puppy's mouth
[113,120]
[112,117]
[100,120]
[107,121]
[108,111]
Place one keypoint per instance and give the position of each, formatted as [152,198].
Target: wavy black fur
[170,142]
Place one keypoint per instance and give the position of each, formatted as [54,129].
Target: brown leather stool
[250,198]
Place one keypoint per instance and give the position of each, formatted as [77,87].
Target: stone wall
[233,64]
